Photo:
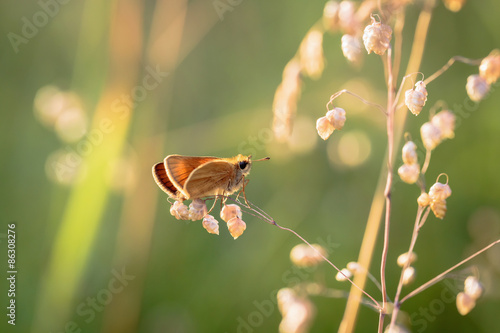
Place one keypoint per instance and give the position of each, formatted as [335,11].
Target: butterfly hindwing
[211,178]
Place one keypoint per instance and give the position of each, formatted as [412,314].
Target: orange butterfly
[191,177]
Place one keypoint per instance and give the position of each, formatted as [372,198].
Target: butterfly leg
[215,201]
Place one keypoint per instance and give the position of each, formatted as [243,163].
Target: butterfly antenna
[262,159]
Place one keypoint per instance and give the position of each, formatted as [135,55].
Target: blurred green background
[97,249]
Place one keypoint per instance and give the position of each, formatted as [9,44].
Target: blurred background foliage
[98,92]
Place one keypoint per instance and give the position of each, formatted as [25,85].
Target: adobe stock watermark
[121,106]
[427,314]
[30,27]
[89,308]
[256,143]
[223,6]
[266,307]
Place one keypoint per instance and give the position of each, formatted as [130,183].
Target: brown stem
[472,62]
[442,275]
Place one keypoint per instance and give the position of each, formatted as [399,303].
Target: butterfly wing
[161,178]
[179,168]
[211,178]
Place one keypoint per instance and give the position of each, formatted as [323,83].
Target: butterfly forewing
[211,178]
[180,167]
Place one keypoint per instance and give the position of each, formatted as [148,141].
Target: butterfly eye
[243,164]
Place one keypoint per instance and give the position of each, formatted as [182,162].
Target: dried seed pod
[420,86]
[336,117]
[197,210]
[311,54]
[355,267]
[404,258]
[490,67]
[439,191]
[236,226]
[431,135]
[347,17]
[473,287]
[297,311]
[331,16]
[477,87]
[302,255]
[396,328]
[415,99]
[409,173]
[465,303]
[211,224]
[409,275]
[445,121]
[454,5]
[343,275]
[179,210]
[229,211]
[377,37]
[351,48]
[439,208]
[324,127]
[409,153]
[424,200]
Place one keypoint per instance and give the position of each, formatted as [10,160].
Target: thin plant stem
[443,275]
[387,192]
[414,237]
[398,43]
[264,216]
[345,91]
[425,166]
[472,62]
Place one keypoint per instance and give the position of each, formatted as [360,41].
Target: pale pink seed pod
[197,210]
[465,303]
[439,191]
[396,328]
[351,48]
[343,275]
[439,208]
[377,37]
[473,287]
[236,226]
[311,54]
[431,135]
[179,210]
[424,200]
[490,67]
[229,211]
[415,101]
[420,86]
[409,173]
[302,255]
[347,17]
[324,127]
[297,312]
[477,88]
[354,267]
[445,121]
[410,153]
[404,258]
[336,117]
[331,16]
[211,224]
[409,275]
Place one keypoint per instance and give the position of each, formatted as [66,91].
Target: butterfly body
[191,177]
